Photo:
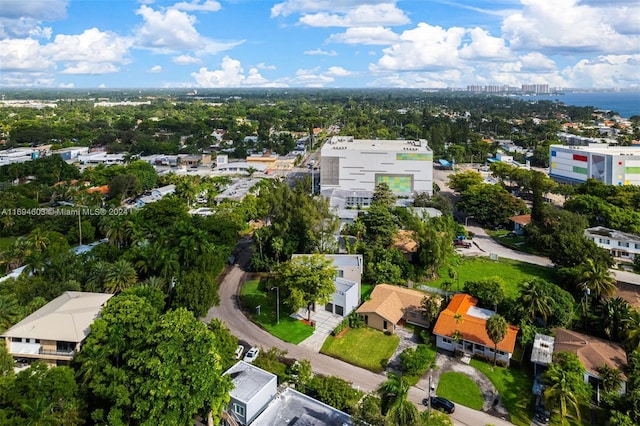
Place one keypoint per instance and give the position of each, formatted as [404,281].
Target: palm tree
[395,406]
[10,311]
[97,276]
[632,341]
[497,330]
[565,391]
[120,276]
[39,240]
[614,317]
[597,278]
[611,378]
[535,299]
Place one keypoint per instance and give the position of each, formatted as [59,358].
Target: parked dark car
[461,243]
[542,415]
[440,404]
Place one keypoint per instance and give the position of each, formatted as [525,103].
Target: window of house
[604,241]
[238,409]
[16,339]
[340,273]
[638,245]
[447,340]
[621,244]
[501,353]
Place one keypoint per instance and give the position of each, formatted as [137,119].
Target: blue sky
[319,43]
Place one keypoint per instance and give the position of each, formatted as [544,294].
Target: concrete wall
[376,321]
[260,400]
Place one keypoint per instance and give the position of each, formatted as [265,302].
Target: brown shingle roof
[592,351]
[523,219]
[391,302]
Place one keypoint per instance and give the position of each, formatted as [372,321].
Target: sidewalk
[325,323]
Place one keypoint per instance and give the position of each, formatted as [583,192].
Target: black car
[441,404]
[542,415]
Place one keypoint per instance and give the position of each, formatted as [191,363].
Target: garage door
[340,310]
[328,307]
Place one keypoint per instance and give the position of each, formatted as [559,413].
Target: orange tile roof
[523,219]
[101,189]
[471,328]
[592,351]
[391,302]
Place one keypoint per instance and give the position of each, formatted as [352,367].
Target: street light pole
[431,386]
[277,289]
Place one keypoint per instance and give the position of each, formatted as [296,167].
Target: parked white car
[251,354]
[239,351]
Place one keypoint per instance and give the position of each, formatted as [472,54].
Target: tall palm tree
[10,311]
[563,393]
[395,406]
[97,276]
[497,330]
[597,278]
[614,317]
[611,378]
[120,276]
[632,341]
[39,239]
[535,299]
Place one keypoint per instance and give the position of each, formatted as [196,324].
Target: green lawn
[365,291]
[363,347]
[289,329]
[514,386]
[512,272]
[518,243]
[460,389]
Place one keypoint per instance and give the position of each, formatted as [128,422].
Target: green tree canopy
[306,280]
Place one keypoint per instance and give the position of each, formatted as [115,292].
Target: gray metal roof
[542,352]
[66,318]
[248,380]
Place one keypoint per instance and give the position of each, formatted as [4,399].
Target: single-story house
[593,352]
[389,304]
[253,389]
[156,194]
[462,327]
[54,333]
[520,222]
[403,241]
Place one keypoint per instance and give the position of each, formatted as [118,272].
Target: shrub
[415,362]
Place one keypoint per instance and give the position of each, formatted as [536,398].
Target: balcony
[57,353]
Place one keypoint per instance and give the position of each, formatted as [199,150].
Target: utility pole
[277,289]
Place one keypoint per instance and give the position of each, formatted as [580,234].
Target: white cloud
[102,86]
[26,55]
[320,52]
[605,71]
[186,60]
[20,19]
[570,27]
[263,66]
[155,68]
[196,6]
[339,72]
[366,35]
[289,7]
[230,74]
[66,86]
[172,30]
[484,46]
[537,62]
[93,46]
[365,15]
[20,79]
[90,68]
[425,48]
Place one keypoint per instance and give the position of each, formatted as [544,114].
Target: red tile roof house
[463,315]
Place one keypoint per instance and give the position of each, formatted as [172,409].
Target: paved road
[240,326]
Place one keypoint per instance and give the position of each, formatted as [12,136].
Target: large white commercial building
[613,165]
[356,165]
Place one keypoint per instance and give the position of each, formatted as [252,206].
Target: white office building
[613,165]
[357,165]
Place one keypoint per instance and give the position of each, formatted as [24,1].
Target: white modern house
[621,245]
[54,333]
[613,165]
[156,194]
[253,389]
[358,165]
[349,269]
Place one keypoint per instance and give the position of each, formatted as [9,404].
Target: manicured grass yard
[363,347]
[514,386]
[289,329]
[365,291]
[512,272]
[460,389]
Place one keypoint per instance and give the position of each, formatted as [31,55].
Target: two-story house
[54,333]
[621,245]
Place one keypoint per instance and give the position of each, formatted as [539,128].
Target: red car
[462,243]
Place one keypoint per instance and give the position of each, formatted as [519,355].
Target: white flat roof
[348,142]
[247,380]
[602,149]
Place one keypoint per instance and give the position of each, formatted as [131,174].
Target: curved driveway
[229,311]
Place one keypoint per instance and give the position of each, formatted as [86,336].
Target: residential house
[593,352]
[389,304]
[349,269]
[403,241]
[291,407]
[156,194]
[520,222]
[253,389]
[621,245]
[462,327]
[541,357]
[54,333]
